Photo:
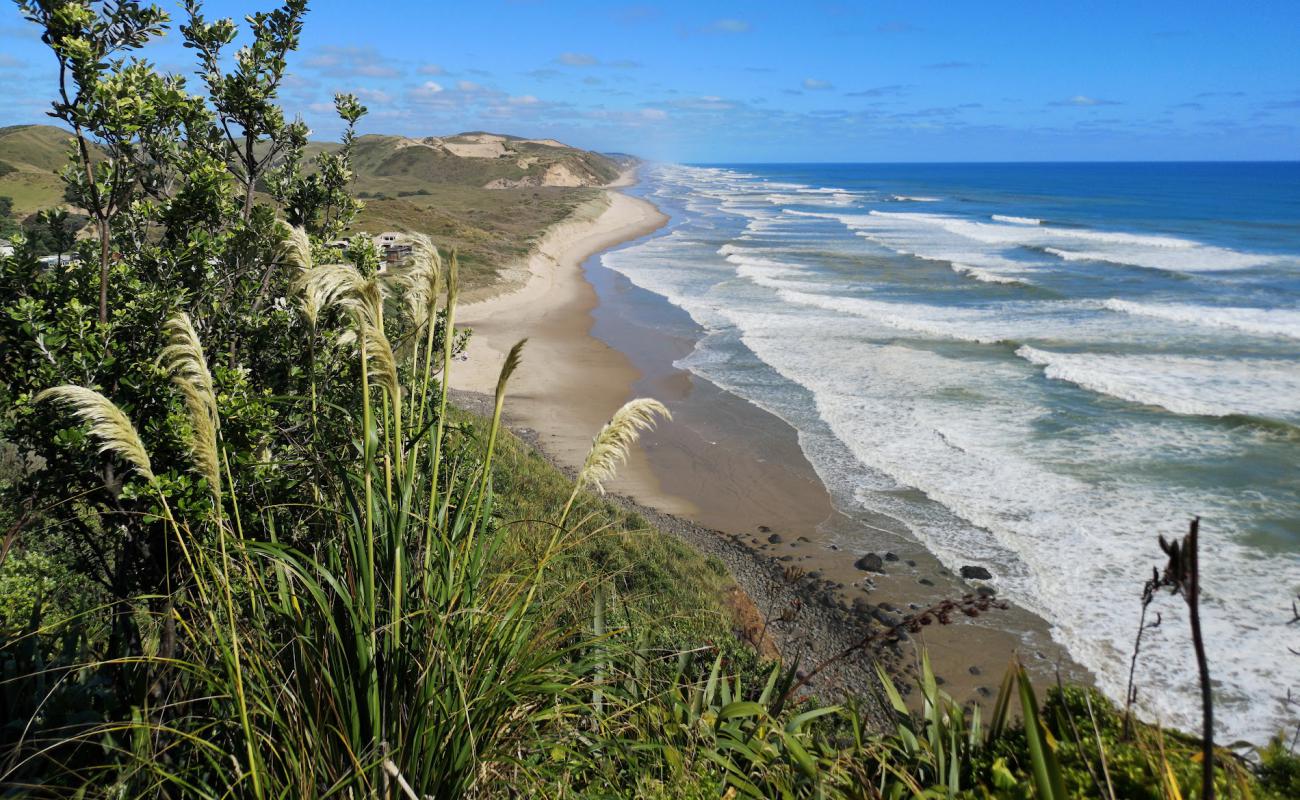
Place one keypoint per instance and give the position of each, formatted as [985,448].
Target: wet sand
[596,340]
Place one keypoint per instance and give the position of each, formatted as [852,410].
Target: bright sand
[569,383]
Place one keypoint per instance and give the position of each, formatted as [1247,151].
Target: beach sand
[595,341]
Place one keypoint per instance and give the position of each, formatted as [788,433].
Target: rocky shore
[802,616]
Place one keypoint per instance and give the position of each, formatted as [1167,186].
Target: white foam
[986,276]
[810,198]
[964,325]
[902,198]
[1016,220]
[964,433]
[970,241]
[1214,387]
[1259,321]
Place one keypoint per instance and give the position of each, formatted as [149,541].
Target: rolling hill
[30,158]
[490,196]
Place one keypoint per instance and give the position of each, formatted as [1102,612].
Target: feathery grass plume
[610,447]
[326,285]
[183,358]
[107,423]
[379,352]
[508,368]
[295,250]
[426,280]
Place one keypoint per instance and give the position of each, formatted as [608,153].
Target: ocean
[1038,368]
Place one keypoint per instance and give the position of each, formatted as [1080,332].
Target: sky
[723,82]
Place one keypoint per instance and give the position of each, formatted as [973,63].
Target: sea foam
[1259,321]
[1213,387]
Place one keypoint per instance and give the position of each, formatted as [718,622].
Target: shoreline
[726,476]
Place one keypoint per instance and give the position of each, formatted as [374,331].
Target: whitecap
[1259,321]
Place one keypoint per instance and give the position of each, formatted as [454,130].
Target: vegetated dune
[395,164]
[488,195]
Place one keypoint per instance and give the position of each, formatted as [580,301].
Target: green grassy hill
[488,195]
[30,158]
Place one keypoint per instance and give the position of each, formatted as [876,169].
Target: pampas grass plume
[183,358]
[108,423]
[610,448]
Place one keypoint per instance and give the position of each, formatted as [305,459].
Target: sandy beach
[595,341]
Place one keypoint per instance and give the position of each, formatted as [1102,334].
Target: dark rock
[764,529]
[974,670]
[986,591]
[775,538]
[925,581]
[891,557]
[787,558]
[887,606]
[984,691]
[804,539]
[815,574]
[870,563]
[833,546]
[909,562]
[976,573]
[887,620]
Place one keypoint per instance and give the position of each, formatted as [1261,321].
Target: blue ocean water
[1037,367]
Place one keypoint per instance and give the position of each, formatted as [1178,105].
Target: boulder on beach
[870,563]
[976,573]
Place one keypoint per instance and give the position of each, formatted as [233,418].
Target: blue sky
[810,81]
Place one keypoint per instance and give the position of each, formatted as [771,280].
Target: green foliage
[8,224]
[1279,768]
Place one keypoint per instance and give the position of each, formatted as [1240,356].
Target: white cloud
[468,86]
[815,84]
[427,89]
[375,96]
[523,100]
[654,113]
[349,61]
[432,69]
